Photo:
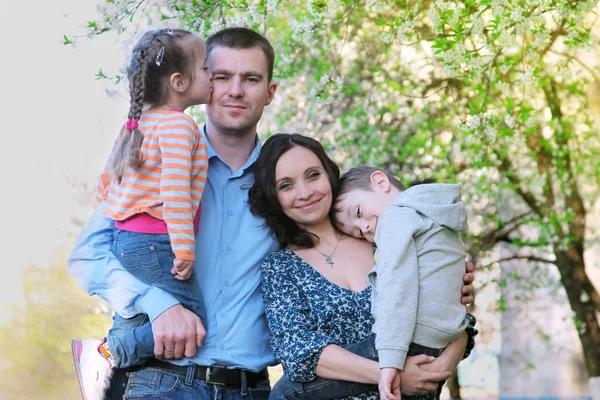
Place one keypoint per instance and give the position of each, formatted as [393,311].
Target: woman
[316,295]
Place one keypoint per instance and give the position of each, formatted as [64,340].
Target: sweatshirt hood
[438,202]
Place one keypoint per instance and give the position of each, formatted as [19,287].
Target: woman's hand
[416,380]
[389,384]
[467,289]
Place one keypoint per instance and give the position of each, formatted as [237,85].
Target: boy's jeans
[323,389]
[149,258]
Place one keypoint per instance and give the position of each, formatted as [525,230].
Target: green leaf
[100,75]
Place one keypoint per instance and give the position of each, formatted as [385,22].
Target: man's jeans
[323,389]
[149,258]
[158,383]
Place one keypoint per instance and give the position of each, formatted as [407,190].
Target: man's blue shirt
[230,247]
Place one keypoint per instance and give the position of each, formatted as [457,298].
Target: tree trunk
[581,293]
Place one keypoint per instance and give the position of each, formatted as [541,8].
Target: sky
[59,124]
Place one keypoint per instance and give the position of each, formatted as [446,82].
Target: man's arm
[98,271]
[93,265]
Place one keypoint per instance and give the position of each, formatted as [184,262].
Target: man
[230,246]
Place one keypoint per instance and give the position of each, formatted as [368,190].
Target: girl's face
[201,85]
[303,187]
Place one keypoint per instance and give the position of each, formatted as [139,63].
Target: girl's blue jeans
[149,258]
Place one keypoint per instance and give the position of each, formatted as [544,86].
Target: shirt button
[229,248]
[222,315]
[227,283]
[230,213]
[222,347]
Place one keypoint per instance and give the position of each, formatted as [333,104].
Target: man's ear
[271,92]
[178,82]
[380,180]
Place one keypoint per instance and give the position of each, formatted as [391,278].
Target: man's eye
[220,78]
[252,80]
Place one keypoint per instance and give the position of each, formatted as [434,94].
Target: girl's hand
[182,269]
[415,380]
[389,384]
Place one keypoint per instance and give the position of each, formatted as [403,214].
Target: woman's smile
[310,205]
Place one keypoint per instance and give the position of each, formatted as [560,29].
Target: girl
[152,185]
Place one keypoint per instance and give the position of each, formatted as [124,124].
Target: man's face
[241,89]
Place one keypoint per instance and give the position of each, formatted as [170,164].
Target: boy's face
[359,211]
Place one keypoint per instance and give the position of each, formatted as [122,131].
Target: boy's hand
[389,384]
[467,289]
[182,269]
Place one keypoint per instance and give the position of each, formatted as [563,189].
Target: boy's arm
[397,285]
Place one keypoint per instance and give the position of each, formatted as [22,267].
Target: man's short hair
[242,38]
[360,178]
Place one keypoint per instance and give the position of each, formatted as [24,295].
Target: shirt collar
[253,156]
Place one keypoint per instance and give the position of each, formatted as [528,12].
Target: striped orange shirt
[170,182]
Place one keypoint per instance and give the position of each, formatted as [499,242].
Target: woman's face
[303,187]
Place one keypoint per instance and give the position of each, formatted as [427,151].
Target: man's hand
[182,269]
[417,381]
[177,332]
[389,384]
[467,290]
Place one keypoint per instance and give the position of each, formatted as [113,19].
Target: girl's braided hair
[156,56]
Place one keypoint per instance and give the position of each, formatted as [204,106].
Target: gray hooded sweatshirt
[418,272]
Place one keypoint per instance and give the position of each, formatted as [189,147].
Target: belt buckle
[208,380]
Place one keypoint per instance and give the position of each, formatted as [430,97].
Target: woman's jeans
[323,389]
[149,258]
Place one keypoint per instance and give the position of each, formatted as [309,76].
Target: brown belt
[214,375]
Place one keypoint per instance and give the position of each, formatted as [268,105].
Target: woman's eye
[284,186]
[314,175]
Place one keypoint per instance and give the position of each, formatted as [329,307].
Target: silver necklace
[328,258]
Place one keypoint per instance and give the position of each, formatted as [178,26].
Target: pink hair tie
[132,124]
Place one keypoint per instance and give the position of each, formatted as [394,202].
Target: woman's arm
[457,350]
[339,364]
[295,341]
[451,357]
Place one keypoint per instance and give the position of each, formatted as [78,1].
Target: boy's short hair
[360,178]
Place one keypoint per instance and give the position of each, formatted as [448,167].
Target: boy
[419,245]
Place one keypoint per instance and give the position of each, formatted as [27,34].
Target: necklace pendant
[329,260]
